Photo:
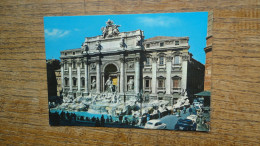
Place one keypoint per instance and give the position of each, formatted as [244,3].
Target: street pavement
[171,120]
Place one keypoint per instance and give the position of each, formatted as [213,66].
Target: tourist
[190,110]
[184,110]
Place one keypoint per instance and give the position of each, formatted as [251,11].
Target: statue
[93,85]
[130,84]
[93,66]
[122,43]
[131,65]
[138,41]
[110,29]
[98,45]
[115,29]
[104,31]
[109,85]
[84,47]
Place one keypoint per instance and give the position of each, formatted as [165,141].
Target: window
[73,53]
[74,65]
[65,54]
[82,82]
[66,81]
[147,83]
[161,44]
[82,65]
[161,83]
[157,124]
[147,45]
[147,61]
[176,59]
[74,81]
[161,61]
[176,82]
[177,43]
[66,66]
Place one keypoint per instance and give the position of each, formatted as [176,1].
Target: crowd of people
[57,118]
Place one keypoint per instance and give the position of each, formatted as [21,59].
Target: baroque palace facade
[125,63]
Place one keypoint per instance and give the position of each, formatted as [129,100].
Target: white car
[155,124]
[193,118]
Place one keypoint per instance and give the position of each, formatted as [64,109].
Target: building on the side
[58,79]
[125,63]
[52,66]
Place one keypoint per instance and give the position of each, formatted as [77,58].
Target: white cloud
[56,32]
[160,21]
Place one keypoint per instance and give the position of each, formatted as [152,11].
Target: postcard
[128,71]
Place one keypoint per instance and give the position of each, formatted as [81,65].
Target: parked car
[185,124]
[193,118]
[196,104]
[206,109]
[155,124]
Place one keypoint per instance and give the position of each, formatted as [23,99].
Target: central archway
[110,71]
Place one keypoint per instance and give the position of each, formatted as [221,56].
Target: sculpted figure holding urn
[130,84]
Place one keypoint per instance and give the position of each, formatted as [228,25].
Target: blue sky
[69,32]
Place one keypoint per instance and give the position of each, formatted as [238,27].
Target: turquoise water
[84,114]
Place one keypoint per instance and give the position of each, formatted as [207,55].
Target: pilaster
[78,77]
[70,76]
[122,75]
[168,74]
[137,74]
[62,73]
[98,78]
[185,59]
[154,74]
[86,77]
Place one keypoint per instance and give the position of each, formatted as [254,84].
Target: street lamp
[140,99]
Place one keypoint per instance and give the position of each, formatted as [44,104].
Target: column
[185,59]
[103,83]
[118,83]
[122,76]
[98,75]
[137,75]
[86,78]
[62,74]
[78,76]
[70,77]
[154,71]
[168,74]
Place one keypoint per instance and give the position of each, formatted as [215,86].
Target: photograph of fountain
[146,71]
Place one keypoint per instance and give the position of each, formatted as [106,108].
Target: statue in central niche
[110,29]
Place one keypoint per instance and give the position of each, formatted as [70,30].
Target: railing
[176,67]
[147,89]
[162,65]
[178,89]
[147,65]
[161,88]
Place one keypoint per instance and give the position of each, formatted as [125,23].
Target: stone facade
[125,63]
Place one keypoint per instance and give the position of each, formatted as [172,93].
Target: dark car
[185,124]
